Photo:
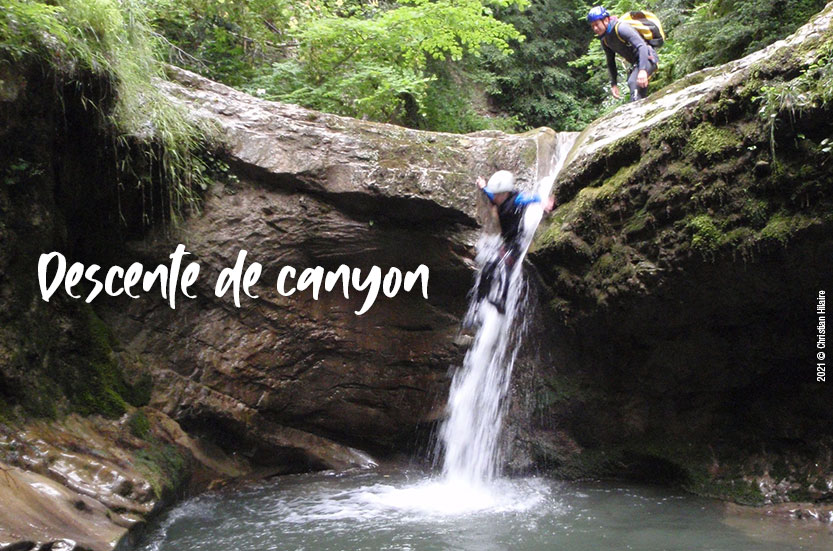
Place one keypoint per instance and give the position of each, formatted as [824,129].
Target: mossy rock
[92,378]
[139,424]
[782,226]
[672,131]
[637,223]
[710,141]
[706,236]
[166,467]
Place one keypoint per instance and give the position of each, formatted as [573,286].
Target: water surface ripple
[373,511]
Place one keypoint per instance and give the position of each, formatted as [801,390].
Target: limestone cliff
[281,384]
[675,329]
[684,266]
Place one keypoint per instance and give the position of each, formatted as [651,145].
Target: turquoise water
[406,511]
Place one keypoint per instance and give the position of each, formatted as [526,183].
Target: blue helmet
[596,13]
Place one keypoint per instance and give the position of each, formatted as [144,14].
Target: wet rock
[82,483]
[282,384]
[296,382]
[683,267]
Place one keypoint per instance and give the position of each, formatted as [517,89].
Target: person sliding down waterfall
[509,205]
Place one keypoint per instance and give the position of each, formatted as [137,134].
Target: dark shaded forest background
[451,65]
[447,65]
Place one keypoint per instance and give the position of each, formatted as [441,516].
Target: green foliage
[537,83]
[368,65]
[706,236]
[228,41]
[783,101]
[722,30]
[139,424]
[456,102]
[23,24]
[112,39]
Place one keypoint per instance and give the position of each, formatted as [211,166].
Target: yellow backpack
[647,24]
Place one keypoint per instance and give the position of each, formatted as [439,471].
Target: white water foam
[470,435]
[427,499]
[469,438]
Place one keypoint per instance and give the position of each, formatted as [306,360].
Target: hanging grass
[113,39]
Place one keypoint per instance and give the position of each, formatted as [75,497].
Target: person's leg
[632,83]
[487,276]
[636,92]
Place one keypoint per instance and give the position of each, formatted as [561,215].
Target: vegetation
[452,65]
[100,386]
[413,62]
[699,34]
[112,39]
[165,466]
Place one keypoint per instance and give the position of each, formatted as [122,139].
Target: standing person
[618,37]
[510,205]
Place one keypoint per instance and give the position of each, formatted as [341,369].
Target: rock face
[684,266]
[279,373]
[86,481]
[280,384]
[680,273]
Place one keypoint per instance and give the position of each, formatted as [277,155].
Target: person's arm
[611,69]
[524,199]
[481,183]
[611,64]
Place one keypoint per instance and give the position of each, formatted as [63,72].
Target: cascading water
[469,438]
[469,508]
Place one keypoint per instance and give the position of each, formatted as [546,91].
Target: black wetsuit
[629,44]
[496,271]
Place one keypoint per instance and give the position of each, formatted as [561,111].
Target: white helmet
[500,182]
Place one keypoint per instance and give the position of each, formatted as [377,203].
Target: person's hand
[481,182]
[642,78]
[615,91]
[549,204]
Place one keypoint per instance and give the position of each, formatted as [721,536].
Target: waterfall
[469,438]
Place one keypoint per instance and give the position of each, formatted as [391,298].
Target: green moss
[552,234]
[710,194]
[165,466]
[681,171]
[706,236]
[138,394]
[738,237]
[99,385]
[781,227]
[139,424]
[671,131]
[710,141]
[637,222]
[613,184]
[97,391]
[756,211]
